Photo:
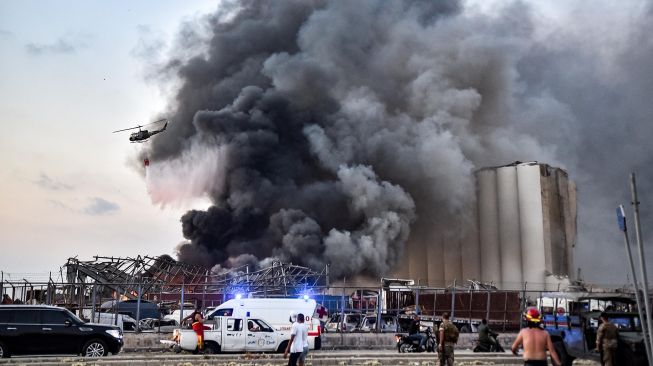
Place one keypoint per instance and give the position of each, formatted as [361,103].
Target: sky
[72,73]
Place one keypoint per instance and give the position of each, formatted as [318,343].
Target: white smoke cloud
[198,172]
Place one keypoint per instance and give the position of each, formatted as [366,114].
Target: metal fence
[466,306]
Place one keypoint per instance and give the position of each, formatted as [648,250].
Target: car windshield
[221,312]
[624,323]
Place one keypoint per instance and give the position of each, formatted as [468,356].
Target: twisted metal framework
[129,276]
[278,279]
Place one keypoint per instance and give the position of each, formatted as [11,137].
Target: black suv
[40,330]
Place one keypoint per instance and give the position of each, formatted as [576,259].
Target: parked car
[165,326]
[574,332]
[388,323]
[41,330]
[177,315]
[131,308]
[351,322]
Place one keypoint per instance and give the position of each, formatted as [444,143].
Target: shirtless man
[536,341]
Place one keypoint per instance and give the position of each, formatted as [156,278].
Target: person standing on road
[535,340]
[296,345]
[607,340]
[414,332]
[448,339]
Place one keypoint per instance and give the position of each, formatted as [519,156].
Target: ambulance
[279,313]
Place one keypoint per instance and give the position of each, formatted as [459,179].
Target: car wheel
[282,347]
[4,351]
[565,359]
[211,348]
[94,348]
[176,348]
[465,329]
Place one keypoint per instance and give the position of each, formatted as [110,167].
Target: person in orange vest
[199,328]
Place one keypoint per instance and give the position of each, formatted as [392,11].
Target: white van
[277,313]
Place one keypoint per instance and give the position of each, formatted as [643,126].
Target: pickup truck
[233,334]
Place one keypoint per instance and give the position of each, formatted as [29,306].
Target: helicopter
[143,135]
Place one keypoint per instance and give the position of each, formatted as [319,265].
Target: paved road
[316,358]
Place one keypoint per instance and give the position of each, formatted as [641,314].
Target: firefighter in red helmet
[535,341]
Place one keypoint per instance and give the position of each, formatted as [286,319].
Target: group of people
[534,340]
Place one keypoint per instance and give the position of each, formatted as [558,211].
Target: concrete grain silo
[535,210]
[524,231]
[509,228]
[488,225]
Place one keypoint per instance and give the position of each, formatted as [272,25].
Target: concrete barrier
[388,341]
[135,342]
[141,341]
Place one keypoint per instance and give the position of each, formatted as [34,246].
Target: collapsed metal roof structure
[166,275]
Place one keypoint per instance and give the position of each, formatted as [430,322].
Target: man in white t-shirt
[296,345]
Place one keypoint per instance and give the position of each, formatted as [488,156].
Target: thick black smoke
[325,131]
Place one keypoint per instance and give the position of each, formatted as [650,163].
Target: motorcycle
[488,347]
[406,344]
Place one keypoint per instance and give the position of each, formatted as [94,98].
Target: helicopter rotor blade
[127,129]
[159,121]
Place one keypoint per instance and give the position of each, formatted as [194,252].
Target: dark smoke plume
[325,131]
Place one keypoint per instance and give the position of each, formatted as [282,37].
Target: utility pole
[621,219]
[642,262]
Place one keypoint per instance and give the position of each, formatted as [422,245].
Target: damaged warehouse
[107,289]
